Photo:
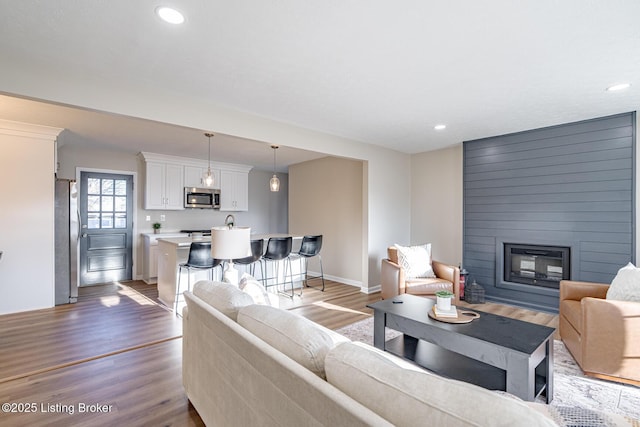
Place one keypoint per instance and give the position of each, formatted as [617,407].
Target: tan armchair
[602,335]
[394,281]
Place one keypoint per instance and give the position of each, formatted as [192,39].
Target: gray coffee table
[495,352]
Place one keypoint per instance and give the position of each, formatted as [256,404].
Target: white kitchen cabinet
[194,176]
[234,191]
[168,175]
[150,254]
[150,259]
[164,186]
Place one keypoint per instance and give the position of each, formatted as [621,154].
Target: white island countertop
[183,242]
[164,234]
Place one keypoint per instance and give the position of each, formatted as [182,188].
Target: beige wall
[436,202]
[326,197]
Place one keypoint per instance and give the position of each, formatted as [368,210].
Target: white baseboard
[349,282]
[150,281]
[371,290]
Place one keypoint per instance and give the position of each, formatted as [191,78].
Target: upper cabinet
[234,190]
[166,177]
[194,176]
[164,187]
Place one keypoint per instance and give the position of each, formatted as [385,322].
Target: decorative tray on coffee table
[464,316]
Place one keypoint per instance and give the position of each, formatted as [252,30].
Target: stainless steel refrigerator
[67,226]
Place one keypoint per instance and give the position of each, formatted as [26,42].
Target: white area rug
[571,387]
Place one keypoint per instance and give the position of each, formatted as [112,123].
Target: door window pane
[107,203]
[93,203]
[107,186]
[121,220]
[107,220]
[93,186]
[121,204]
[93,220]
[121,187]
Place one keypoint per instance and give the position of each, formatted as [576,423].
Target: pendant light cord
[274,147]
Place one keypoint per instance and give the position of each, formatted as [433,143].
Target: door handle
[84,235]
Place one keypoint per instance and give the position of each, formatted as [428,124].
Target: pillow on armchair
[415,260]
[626,285]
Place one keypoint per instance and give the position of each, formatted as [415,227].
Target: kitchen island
[174,251]
[171,253]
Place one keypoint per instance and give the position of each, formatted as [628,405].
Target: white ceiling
[375,71]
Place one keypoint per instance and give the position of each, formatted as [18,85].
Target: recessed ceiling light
[170,15]
[440,127]
[620,86]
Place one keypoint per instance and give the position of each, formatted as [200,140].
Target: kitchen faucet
[229,223]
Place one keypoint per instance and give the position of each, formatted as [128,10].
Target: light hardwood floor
[120,348]
[106,320]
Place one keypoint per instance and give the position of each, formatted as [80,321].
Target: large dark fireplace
[537,265]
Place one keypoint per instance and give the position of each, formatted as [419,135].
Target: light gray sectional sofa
[257,365]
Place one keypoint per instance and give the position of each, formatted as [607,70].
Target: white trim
[371,289]
[10,127]
[342,280]
[349,282]
[134,231]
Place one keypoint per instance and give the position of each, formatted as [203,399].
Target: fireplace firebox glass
[536,265]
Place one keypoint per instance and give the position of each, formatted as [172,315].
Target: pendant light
[274,183]
[208,177]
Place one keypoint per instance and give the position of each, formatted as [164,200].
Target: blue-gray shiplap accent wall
[569,185]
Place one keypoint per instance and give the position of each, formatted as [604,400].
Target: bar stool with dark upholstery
[310,247]
[199,259]
[257,248]
[279,249]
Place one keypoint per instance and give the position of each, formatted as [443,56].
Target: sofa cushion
[407,397]
[415,260]
[626,285]
[427,286]
[222,296]
[299,338]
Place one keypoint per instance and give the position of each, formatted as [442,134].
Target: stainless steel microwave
[201,198]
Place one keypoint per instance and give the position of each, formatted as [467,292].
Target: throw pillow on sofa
[299,338]
[222,296]
[416,261]
[407,397]
[626,285]
[251,286]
